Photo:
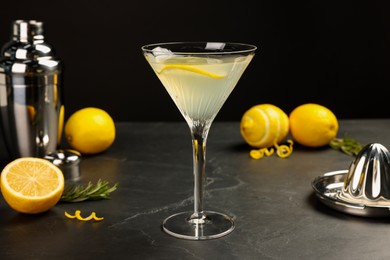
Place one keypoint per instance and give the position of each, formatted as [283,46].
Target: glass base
[213,225]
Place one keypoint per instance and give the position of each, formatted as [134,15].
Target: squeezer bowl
[368,178]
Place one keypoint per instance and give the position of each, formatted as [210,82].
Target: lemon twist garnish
[93,214]
[192,69]
[259,153]
[283,151]
[69,216]
[78,216]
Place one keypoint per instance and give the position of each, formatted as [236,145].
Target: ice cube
[213,61]
[162,54]
[215,46]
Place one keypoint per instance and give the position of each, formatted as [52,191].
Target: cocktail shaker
[31,92]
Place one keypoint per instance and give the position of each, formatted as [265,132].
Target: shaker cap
[68,161]
[27,30]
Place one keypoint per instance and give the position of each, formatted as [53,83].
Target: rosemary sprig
[78,193]
[346,145]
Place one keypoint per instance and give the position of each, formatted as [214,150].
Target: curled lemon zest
[69,216]
[96,217]
[284,151]
[78,216]
[268,152]
[258,154]
[191,69]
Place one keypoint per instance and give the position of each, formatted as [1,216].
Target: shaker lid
[27,30]
[68,161]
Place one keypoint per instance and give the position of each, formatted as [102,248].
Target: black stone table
[276,211]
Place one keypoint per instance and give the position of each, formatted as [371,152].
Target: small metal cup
[68,161]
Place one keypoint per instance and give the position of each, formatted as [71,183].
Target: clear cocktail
[199,77]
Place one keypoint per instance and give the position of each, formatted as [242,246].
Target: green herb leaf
[78,193]
[346,145]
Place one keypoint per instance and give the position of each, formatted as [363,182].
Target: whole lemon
[90,130]
[264,125]
[313,125]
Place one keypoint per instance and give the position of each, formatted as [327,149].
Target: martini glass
[199,77]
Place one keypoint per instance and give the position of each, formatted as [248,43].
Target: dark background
[335,53]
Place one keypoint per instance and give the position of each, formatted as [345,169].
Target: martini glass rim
[213,49]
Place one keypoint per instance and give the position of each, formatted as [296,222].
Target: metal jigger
[68,161]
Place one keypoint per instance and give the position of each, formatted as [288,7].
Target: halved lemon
[31,185]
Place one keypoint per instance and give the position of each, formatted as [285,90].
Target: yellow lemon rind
[90,130]
[77,215]
[263,125]
[191,69]
[313,125]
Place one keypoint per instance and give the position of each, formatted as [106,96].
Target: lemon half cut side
[31,185]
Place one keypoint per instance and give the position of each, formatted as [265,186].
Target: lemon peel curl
[282,151]
[77,215]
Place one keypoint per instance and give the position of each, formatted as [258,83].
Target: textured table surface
[276,212]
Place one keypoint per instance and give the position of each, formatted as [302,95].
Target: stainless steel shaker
[31,94]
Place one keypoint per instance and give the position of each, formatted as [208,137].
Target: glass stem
[199,137]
